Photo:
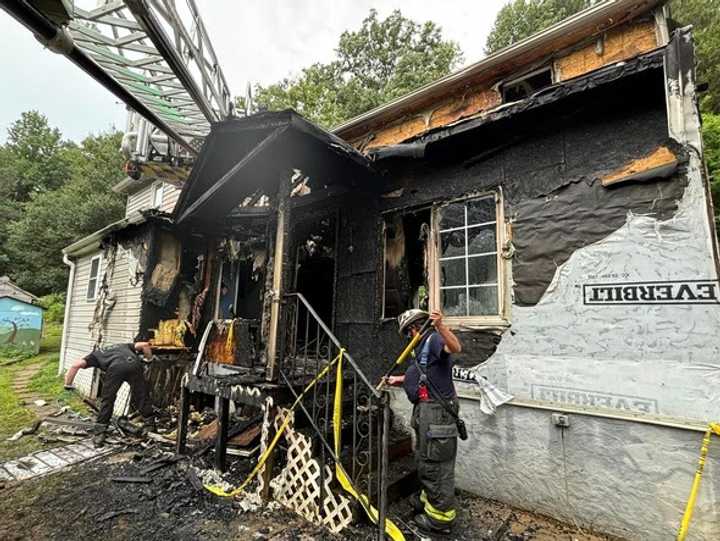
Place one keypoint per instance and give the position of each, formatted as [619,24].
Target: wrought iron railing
[309,346]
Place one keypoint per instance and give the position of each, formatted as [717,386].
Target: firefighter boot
[430,525]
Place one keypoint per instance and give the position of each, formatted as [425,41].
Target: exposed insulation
[652,165]
[170,332]
[456,108]
[616,45]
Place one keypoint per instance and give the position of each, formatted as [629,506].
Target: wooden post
[279,263]
[221,438]
[182,420]
[270,461]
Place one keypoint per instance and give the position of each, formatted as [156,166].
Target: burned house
[550,199]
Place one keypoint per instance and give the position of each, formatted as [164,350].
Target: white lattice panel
[298,484]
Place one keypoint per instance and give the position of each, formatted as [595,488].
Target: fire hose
[342,476]
[713,428]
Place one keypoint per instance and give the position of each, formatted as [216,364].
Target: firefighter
[435,427]
[120,363]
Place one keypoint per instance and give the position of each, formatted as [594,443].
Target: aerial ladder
[155,56]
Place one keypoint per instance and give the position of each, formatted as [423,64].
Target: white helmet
[408,317]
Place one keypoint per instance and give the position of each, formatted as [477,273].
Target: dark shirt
[102,358]
[438,369]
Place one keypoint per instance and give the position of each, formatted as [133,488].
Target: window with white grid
[468,263]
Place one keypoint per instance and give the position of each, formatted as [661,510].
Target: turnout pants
[435,452]
[130,371]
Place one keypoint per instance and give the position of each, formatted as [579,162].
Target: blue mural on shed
[20,324]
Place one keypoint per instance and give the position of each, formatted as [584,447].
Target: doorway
[315,253]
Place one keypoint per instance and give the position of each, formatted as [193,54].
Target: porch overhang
[242,156]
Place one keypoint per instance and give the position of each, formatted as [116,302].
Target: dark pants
[435,452]
[130,371]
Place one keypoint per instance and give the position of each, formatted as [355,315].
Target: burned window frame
[218,292]
[385,217]
[96,278]
[501,318]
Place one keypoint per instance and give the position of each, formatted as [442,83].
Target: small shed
[21,318]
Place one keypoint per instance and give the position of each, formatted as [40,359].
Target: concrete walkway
[45,462]
[21,387]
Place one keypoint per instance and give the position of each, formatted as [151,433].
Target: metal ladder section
[309,346]
[155,55]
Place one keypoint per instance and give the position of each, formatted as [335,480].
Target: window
[94,279]
[406,247]
[468,265]
[227,291]
[525,86]
[158,190]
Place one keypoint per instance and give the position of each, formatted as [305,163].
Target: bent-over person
[120,363]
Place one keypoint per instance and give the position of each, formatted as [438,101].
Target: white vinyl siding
[140,200]
[170,197]
[123,321]
[145,199]
[158,189]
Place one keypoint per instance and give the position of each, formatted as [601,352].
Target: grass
[46,383]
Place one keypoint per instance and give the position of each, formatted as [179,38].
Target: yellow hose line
[713,428]
[218,491]
[403,355]
[390,528]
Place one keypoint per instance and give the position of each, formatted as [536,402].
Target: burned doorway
[314,248]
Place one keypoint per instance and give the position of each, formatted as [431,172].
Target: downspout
[66,317]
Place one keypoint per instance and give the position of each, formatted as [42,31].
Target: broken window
[468,266]
[525,86]
[227,292]
[406,237]
[94,279]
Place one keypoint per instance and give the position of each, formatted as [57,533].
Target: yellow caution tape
[713,428]
[390,528]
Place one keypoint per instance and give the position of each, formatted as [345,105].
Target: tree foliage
[711,140]
[52,193]
[381,61]
[704,15]
[519,19]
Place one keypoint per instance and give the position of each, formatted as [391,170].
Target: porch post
[280,258]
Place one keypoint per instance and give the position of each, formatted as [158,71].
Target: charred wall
[549,164]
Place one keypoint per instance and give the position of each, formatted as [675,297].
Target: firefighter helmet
[408,317]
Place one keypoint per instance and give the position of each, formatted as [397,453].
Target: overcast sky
[257,41]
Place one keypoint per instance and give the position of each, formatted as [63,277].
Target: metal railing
[309,346]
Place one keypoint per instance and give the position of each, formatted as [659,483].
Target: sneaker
[149,424]
[99,439]
[429,525]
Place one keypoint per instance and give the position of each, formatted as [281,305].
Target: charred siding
[549,164]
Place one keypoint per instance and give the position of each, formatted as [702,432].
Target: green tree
[35,157]
[704,15]
[381,61]
[711,140]
[33,160]
[54,219]
[519,19]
